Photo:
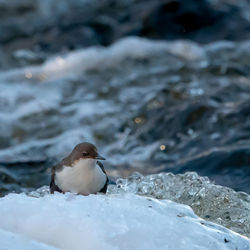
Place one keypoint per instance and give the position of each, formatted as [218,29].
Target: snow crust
[11,241]
[113,221]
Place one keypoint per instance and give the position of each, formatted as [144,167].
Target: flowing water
[149,106]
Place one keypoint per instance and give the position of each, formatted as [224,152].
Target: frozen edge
[114,221]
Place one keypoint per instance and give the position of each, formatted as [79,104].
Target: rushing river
[149,106]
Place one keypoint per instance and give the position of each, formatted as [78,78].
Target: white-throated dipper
[80,172]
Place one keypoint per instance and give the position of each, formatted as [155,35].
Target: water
[149,106]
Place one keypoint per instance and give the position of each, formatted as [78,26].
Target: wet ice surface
[148,105]
[113,221]
[211,202]
[215,203]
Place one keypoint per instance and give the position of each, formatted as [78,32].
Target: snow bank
[9,241]
[114,221]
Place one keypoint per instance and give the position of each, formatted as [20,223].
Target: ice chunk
[113,221]
[40,192]
[212,202]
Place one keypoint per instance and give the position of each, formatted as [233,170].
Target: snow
[10,241]
[113,221]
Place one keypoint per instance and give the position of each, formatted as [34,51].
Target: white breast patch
[85,177]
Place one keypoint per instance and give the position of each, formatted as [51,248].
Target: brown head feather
[81,151]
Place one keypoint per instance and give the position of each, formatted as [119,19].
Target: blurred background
[158,86]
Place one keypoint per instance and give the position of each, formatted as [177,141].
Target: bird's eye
[84,153]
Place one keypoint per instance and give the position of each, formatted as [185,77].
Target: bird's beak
[99,157]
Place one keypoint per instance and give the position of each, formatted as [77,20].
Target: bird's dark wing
[53,186]
[104,189]
[101,166]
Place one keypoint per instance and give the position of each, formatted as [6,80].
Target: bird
[81,172]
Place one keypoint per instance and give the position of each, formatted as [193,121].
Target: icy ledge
[113,221]
[215,203]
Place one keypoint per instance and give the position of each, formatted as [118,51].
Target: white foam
[59,98]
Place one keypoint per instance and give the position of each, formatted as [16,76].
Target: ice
[11,241]
[212,202]
[112,221]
